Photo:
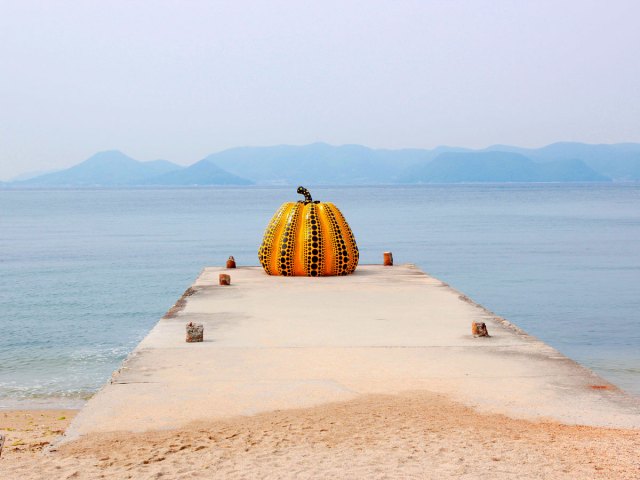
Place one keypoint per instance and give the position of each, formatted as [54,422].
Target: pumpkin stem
[307,195]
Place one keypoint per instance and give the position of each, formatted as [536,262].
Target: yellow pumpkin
[308,238]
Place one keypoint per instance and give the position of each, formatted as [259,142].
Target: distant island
[323,164]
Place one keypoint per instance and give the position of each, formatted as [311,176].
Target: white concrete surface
[277,343]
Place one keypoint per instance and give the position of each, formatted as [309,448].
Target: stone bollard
[388,259]
[195,332]
[1,443]
[479,329]
[224,279]
[231,263]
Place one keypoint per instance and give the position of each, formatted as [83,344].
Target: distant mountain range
[103,169]
[322,164]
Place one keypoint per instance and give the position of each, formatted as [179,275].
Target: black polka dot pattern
[314,252]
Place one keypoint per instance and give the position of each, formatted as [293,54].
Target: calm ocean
[84,274]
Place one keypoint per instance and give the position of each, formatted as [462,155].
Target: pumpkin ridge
[343,246]
[277,238]
[332,237]
[313,242]
[347,242]
[266,249]
[298,251]
[287,244]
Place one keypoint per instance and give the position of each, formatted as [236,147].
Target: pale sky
[182,79]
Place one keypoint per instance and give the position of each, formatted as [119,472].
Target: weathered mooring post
[479,329]
[195,332]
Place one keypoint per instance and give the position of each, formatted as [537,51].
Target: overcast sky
[182,79]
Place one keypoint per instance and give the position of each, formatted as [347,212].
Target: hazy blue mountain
[200,173]
[496,167]
[30,175]
[108,168]
[569,170]
[160,167]
[619,161]
[318,163]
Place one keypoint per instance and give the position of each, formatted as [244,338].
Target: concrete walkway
[287,342]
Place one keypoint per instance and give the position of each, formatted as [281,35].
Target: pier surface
[274,343]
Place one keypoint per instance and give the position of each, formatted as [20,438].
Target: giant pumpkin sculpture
[308,238]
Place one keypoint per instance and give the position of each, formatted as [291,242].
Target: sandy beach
[412,435]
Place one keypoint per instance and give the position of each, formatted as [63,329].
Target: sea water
[85,274]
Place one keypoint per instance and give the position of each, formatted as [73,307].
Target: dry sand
[413,435]
[27,432]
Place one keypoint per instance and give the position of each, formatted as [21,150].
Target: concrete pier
[287,342]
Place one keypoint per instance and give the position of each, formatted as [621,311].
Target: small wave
[43,392]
